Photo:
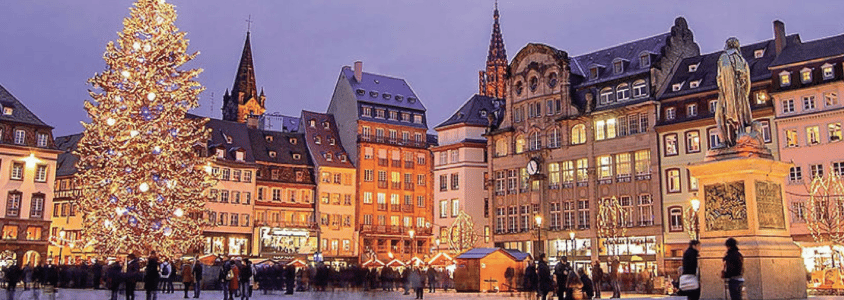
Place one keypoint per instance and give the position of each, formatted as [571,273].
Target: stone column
[742,197]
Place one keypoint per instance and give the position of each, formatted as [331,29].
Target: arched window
[622,92]
[519,88]
[606,95]
[535,141]
[640,89]
[552,80]
[553,138]
[578,134]
[534,83]
[501,147]
[520,144]
[675,219]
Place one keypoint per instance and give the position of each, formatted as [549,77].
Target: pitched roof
[20,114]
[475,111]
[707,68]
[244,81]
[796,51]
[629,52]
[223,131]
[66,163]
[476,253]
[282,144]
[373,87]
[318,151]
[519,255]
[432,140]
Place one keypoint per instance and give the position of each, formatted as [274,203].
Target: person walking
[543,274]
[27,276]
[290,279]
[529,282]
[414,278]
[561,271]
[187,276]
[133,270]
[13,275]
[152,276]
[233,286]
[432,279]
[614,280]
[97,270]
[114,279]
[597,278]
[244,279]
[690,268]
[197,278]
[733,269]
[588,291]
[225,276]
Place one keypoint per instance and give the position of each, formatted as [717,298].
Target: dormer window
[828,73]
[8,111]
[785,78]
[228,139]
[373,94]
[221,153]
[360,92]
[618,66]
[806,75]
[343,157]
[759,53]
[411,100]
[331,141]
[694,84]
[670,113]
[394,115]
[644,60]
[297,156]
[317,140]
[379,113]
[386,96]
[273,154]
[239,155]
[593,72]
[677,86]
[328,156]
[269,138]
[312,123]
[483,113]
[405,117]
[366,111]
[693,67]
[399,98]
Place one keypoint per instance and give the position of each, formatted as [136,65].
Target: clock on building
[532,167]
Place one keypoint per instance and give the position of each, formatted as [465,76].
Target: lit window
[604,163]
[639,89]
[830,99]
[673,180]
[808,102]
[593,72]
[813,135]
[671,144]
[759,53]
[791,138]
[834,132]
[761,97]
[828,73]
[692,141]
[785,78]
[578,134]
[806,75]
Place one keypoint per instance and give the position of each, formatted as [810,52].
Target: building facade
[335,189]
[686,128]
[806,84]
[578,134]
[29,157]
[382,125]
[460,175]
[66,221]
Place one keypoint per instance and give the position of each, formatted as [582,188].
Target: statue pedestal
[742,197]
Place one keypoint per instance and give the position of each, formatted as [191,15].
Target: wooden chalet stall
[484,269]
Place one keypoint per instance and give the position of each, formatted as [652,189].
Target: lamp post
[61,244]
[437,242]
[538,219]
[696,207]
[412,242]
[573,246]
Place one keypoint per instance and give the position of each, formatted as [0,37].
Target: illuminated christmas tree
[143,184]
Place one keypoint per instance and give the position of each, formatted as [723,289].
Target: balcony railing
[382,162]
[395,207]
[382,184]
[396,185]
[407,208]
[389,229]
[281,224]
[643,176]
[390,141]
[382,206]
[396,164]
[408,164]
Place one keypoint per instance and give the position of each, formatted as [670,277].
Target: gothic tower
[244,98]
[491,81]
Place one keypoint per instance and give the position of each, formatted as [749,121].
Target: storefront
[228,244]
[635,253]
[276,243]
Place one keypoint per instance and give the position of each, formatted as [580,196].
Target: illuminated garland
[825,208]
[612,220]
[461,233]
[143,182]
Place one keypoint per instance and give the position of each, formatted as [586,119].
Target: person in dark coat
[97,270]
[597,278]
[13,275]
[587,284]
[187,276]
[197,277]
[38,276]
[733,269]
[50,278]
[404,281]
[561,271]
[290,279]
[114,279]
[152,276]
[245,277]
[690,260]
[432,279]
[133,269]
[414,278]
[614,276]
[543,274]
[530,277]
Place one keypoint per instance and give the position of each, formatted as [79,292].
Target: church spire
[244,89]
[491,81]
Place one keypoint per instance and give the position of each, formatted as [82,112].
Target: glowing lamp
[695,204]
[538,219]
[179,212]
[31,160]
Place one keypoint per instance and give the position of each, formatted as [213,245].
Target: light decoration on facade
[612,221]
[461,233]
[137,165]
[825,212]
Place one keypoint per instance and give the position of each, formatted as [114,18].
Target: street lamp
[696,207]
[412,242]
[571,237]
[538,219]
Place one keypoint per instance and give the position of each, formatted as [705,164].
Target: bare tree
[825,211]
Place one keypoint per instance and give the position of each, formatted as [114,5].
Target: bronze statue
[732,115]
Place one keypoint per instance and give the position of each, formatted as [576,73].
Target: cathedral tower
[244,98]
[491,82]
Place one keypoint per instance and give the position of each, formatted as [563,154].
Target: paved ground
[68,294]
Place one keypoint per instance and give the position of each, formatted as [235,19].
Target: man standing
[432,279]
[113,279]
[197,277]
[597,278]
[50,279]
[614,264]
[245,277]
[133,269]
[544,277]
[561,270]
[97,269]
[151,277]
[13,274]
[165,276]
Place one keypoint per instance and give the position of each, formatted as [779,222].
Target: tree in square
[143,185]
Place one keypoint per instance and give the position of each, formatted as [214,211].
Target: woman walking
[151,277]
[690,260]
[187,276]
[733,269]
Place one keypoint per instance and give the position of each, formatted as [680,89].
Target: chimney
[252,121]
[779,36]
[358,70]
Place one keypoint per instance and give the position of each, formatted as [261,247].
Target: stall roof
[478,253]
[373,261]
[440,259]
[519,255]
[396,263]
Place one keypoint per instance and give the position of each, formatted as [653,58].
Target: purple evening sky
[48,49]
